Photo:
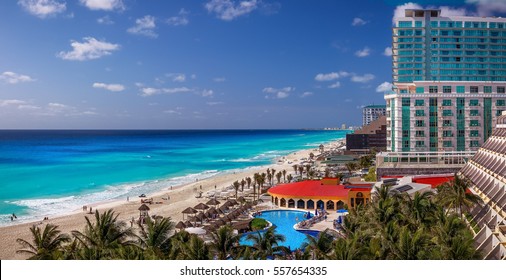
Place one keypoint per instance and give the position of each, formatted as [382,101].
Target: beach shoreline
[167,202]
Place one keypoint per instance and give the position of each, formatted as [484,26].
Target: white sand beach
[181,197]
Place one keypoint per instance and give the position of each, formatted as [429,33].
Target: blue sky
[198,64]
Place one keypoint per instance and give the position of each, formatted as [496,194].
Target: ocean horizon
[54,172]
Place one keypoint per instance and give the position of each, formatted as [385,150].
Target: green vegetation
[393,226]
[258,224]
[371,175]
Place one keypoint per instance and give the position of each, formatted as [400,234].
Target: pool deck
[323,225]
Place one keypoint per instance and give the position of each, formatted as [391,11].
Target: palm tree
[273,172]
[311,173]
[346,249]
[454,194]
[242,185]
[278,177]
[101,238]
[351,166]
[296,168]
[269,178]
[248,181]
[177,243]
[308,168]
[266,244]
[318,247]
[224,243]
[155,236]
[411,245]
[327,172]
[284,175]
[195,249]
[301,169]
[46,245]
[236,185]
[289,177]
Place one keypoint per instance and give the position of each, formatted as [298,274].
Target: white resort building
[487,172]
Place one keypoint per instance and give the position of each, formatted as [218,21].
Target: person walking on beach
[128,198]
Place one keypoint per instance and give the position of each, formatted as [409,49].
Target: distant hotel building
[368,137]
[371,113]
[449,81]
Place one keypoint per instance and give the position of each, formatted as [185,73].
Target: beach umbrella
[233,202]
[201,206]
[193,219]
[231,216]
[188,224]
[241,199]
[201,217]
[180,225]
[228,204]
[209,228]
[189,210]
[224,208]
[219,222]
[213,202]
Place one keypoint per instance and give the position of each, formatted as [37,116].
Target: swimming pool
[284,220]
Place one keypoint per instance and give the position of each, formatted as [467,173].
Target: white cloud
[219,79]
[278,93]
[43,8]
[175,112]
[358,22]
[306,94]
[230,9]
[489,7]
[207,92]
[348,100]
[28,107]
[335,85]
[144,26]
[363,52]
[214,103]
[384,87]
[326,77]
[387,51]
[149,91]
[90,48]
[11,102]
[106,5]
[105,20]
[14,78]
[362,79]
[449,11]
[177,90]
[180,19]
[179,78]
[110,87]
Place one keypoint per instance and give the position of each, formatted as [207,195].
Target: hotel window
[419,123]
[432,89]
[474,113]
[405,144]
[499,113]
[461,133]
[419,102]
[447,113]
[474,143]
[405,133]
[447,102]
[487,89]
[447,133]
[461,89]
[433,134]
[473,102]
[501,89]
[420,133]
[500,102]
[474,123]
[474,133]
[447,144]
[433,144]
[420,89]
[406,102]
[419,113]
[447,89]
[447,123]
[473,89]
[420,143]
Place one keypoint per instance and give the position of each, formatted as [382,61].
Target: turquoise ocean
[53,172]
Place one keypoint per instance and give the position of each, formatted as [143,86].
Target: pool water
[284,220]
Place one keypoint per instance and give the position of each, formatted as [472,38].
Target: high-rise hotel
[449,81]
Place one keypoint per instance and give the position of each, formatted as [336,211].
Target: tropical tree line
[393,226]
